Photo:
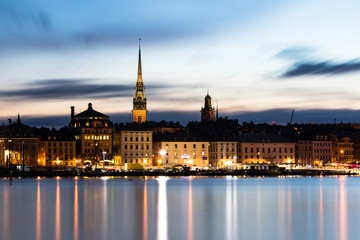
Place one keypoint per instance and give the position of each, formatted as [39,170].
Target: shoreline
[220,173]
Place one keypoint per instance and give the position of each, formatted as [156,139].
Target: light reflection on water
[180,208]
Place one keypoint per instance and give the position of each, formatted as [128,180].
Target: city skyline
[259,60]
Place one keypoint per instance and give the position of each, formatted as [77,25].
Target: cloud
[52,89]
[321,68]
[294,53]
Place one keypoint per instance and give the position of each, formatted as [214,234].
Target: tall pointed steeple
[139,73]
[139,101]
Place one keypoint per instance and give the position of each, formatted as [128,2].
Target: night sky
[259,59]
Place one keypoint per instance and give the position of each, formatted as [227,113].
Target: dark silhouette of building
[207,112]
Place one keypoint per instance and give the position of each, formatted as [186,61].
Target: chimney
[72,112]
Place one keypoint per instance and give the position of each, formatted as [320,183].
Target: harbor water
[192,208]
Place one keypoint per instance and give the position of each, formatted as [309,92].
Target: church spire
[139,74]
[139,101]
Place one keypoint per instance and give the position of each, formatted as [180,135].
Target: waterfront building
[93,134]
[314,152]
[207,112]
[139,101]
[343,150]
[18,143]
[265,148]
[304,152]
[58,147]
[133,146]
[180,148]
[223,153]
[322,153]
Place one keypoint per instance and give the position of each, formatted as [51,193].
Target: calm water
[180,208]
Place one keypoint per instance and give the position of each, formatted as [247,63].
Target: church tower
[207,112]
[139,101]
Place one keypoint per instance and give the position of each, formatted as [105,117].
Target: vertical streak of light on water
[76,212]
[343,209]
[38,212]
[162,225]
[289,213]
[228,211]
[235,212]
[321,213]
[145,217]
[281,203]
[190,213]
[6,208]
[259,210]
[104,202]
[57,212]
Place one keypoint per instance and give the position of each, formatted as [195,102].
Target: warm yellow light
[145,161]
[162,152]
[57,177]
[228,162]
[57,162]
[341,151]
[159,161]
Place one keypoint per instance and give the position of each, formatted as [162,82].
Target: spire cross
[207,91]
[139,42]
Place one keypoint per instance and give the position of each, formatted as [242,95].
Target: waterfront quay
[247,171]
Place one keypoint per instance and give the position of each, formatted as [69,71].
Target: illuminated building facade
[93,133]
[181,149]
[265,148]
[19,142]
[139,101]
[343,150]
[58,148]
[135,147]
[223,153]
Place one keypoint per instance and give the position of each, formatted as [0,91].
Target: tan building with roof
[181,149]
[265,148]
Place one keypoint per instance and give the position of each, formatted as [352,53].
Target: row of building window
[185,146]
[60,144]
[90,144]
[136,146]
[137,139]
[88,150]
[136,154]
[269,150]
[258,157]
[60,150]
[95,137]
[93,131]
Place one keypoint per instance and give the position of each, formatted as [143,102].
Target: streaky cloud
[53,89]
[304,68]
